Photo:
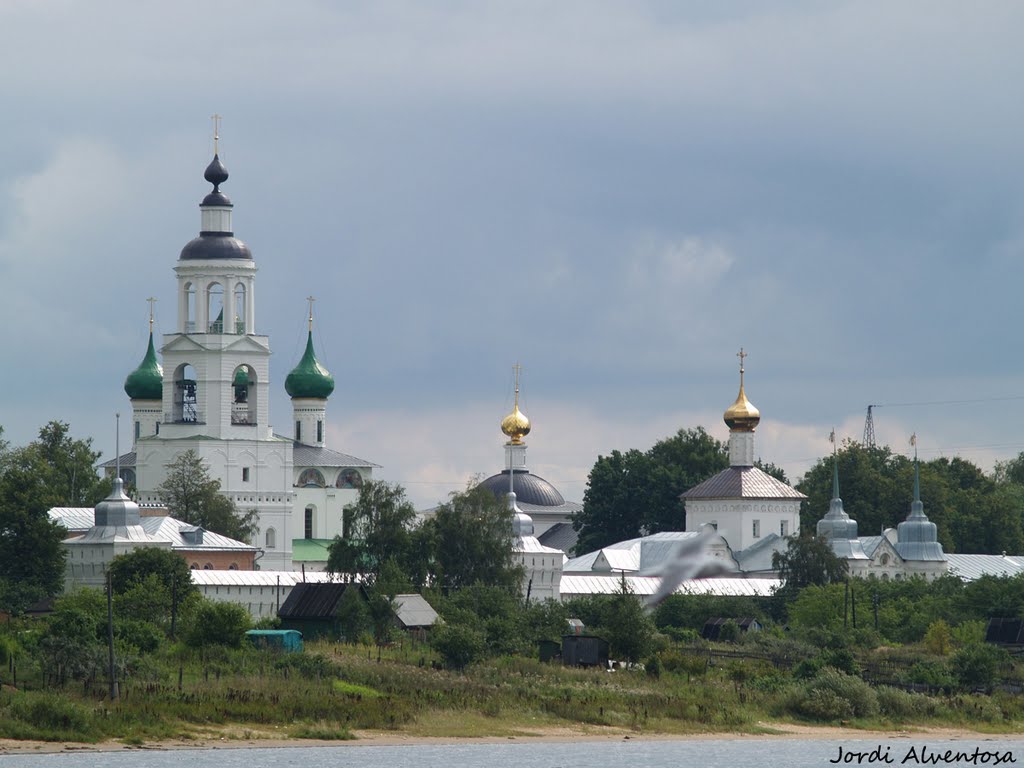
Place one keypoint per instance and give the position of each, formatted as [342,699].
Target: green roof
[147,381]
[311,550]
[309,378]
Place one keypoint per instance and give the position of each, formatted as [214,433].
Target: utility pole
[114,693]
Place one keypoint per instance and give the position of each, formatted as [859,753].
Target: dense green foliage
[467,540]
[54,470]
[808,560]
[192,496]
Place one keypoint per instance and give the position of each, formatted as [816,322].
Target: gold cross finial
[151,301]
[310,299]
[741,355]
[516,368]
[216,130]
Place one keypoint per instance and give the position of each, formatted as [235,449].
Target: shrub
[218,624]
[900,705]
[976,666]
[832,695]
[934,673]
[51,712]
[459,645]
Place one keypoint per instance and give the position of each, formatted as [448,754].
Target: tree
[192,496]
[635,491]
[216,623]
[69,465]
[381,522]
[626,626]
[151,583]
[458,644]
[808,560]
[471,536]
[32,479]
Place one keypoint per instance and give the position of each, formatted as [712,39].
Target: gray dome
[917,537]
[528,488]
[215,245]
[837,524]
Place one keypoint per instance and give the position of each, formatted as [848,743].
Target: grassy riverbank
[334,692]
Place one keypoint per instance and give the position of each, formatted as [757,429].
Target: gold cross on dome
[741,355]
[310,299]
[151,301]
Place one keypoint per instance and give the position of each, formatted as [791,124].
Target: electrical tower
[869,429]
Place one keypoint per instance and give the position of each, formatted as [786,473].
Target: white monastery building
[214,399]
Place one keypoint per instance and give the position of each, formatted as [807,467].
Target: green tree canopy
[54,470]
[192,496]
[808,560]
[381,526]
[471,541]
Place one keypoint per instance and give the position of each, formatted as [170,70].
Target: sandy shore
[539,735]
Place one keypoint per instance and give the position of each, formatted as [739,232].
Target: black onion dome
[216,173]
[529,488]
[215,245]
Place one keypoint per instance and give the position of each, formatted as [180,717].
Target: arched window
[194,566]
[349,478]
[190,308]
[215,307]
[311,478]
[243,396]
[271,538]
[233,567]
[310,512]
[208,567]
[186,396]
[239,309]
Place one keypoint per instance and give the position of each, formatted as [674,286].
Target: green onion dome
[309,378]
[147,381]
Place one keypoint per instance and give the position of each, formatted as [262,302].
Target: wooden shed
[314,609]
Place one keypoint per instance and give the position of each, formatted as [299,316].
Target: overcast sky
[616,195]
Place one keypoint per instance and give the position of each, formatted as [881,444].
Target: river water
[760,753]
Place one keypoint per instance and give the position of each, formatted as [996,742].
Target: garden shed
[317,610]
[584,651]
[286,640]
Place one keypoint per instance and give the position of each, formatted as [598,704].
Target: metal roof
[311,550]
[530,545]
[414,611]
[75,519]
[632,554]
[258,578]
[170,529]
[560,536]
[645,586]
[311,456]
[529,489]
[314,601]
[127,460]
[742,483]
[971,567]
[157,528]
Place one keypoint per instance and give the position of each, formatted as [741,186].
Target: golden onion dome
[516,425]
[742,416]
